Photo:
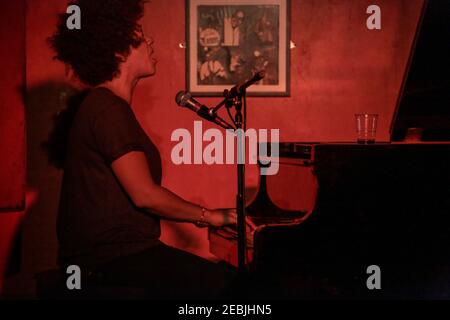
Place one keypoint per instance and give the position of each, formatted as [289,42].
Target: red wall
[12,132]
[338,68]
[12,121]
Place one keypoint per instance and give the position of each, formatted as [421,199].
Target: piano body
[383,204]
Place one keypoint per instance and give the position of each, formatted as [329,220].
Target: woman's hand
[221,217]
[226,217]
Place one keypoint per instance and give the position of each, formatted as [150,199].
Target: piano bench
[51,285]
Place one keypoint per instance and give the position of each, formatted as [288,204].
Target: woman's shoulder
[100,99]
[101,102]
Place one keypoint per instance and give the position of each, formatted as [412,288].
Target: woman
[111,199]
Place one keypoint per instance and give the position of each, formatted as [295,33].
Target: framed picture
[228,41]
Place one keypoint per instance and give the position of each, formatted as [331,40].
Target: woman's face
[141,59]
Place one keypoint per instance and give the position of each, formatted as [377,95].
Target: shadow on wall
[37,247]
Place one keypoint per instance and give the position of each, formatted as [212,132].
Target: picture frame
[228,41]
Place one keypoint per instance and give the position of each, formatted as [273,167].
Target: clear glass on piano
[366,127]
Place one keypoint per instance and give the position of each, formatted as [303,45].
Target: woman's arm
[134,175]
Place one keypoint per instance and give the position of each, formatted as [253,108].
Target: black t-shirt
[97,221]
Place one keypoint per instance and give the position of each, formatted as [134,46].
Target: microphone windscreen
[182,97]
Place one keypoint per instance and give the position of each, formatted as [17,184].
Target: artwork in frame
[228,41]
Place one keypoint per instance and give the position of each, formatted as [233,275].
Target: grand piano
[386,204]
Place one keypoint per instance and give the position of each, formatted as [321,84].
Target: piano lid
[426,97]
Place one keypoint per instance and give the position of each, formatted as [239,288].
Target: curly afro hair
[109,28]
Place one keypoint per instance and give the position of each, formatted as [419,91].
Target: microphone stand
[236,97]
[238,101]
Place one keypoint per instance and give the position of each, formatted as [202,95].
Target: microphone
[184,99]
[239,88]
